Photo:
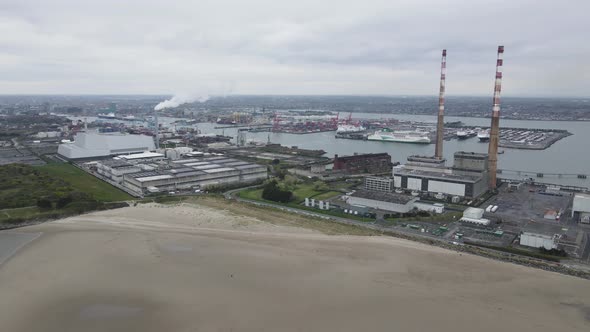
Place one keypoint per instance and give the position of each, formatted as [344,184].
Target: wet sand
[153,268]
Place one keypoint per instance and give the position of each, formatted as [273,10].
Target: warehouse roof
[581,203]
[436,175]
[219,170]
[384,196]
[142,155]
[154,178]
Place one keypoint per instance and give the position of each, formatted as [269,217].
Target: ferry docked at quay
[388,135]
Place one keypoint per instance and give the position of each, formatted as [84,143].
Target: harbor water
[569,156]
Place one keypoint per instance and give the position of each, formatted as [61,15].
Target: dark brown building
[363,163]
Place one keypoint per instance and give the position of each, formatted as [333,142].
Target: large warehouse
[94,145]
[186,174]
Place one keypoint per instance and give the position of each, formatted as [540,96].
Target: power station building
[467,178]
[95,145]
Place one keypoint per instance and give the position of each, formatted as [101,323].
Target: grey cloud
[303,47]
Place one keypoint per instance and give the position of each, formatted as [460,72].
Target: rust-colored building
[363,163]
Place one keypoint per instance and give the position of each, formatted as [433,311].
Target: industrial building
[363,163]
[467,178]
[373,183]
[535,240]
[475,216]
[183,174]
[95,145]
[382,201]
[581,208]
[115,169]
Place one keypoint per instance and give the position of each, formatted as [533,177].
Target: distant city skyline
[263,47]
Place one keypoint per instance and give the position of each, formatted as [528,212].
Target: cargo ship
[387,135]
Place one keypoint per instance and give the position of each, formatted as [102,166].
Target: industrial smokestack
[495,127]
[157,137]
[438,150]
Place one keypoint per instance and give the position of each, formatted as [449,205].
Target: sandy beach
[202,268]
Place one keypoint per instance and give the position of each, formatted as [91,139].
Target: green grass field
[24,212]
[300,193]
[253,194]
[256,195]
[304,190]
[327,195]
[85,182]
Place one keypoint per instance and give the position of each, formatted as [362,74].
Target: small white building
[435,208]
[536,240]
[581,208]
[383,201]
[475,216]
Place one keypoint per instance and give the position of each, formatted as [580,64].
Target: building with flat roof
[581,208]
[94,145]
[467,178]
[373,183]
[193,173]
[363,163]
[536,240]
[382,201]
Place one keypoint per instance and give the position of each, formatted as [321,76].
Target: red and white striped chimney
[495,127]
[438,150]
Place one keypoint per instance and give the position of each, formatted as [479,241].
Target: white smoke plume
[180,99]
[220,89]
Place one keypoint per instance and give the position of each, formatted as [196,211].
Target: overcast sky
[369,47]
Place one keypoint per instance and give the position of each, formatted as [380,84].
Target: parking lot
[527,204]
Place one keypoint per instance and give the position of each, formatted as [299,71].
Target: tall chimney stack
[157,137]
[493,145]
[438,150]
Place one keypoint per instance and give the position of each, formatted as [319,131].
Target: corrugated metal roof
[197,164]
[184,161]
[142,155]
[248,166]
[581,203]
[204,167]
[219,170]
[180,170]
[154,178]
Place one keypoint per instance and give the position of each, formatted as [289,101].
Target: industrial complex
[147,173]
[461,201]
